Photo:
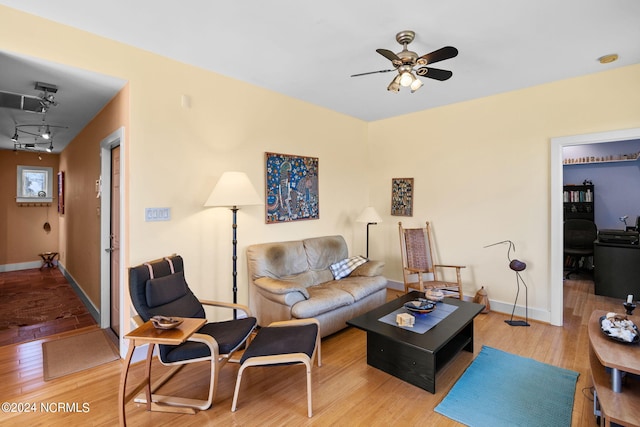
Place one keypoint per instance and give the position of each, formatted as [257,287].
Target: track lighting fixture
[41,133]
[47,133]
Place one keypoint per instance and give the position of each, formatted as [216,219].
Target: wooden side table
[48,259]
[148,334]
[618,403]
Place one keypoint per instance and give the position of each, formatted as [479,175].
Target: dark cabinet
[578,202]
[616,270]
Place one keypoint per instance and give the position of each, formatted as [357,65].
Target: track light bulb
[50,147]
[14,138]
[47,133]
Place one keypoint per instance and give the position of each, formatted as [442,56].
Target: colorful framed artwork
[292,188]
[402,196]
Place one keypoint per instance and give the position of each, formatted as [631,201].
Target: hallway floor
[70,313]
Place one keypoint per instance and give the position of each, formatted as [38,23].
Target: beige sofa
[293,280]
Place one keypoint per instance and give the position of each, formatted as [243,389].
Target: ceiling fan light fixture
[406,78]
[416,84]
[394,86]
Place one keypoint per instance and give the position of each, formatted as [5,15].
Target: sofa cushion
[323,298]
[277,260]
[360,287]
[369,269]
[321,252]
[344,267]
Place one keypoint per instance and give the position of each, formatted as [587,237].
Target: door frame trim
[106,145]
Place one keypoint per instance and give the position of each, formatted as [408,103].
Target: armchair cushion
[229,335]
[164,290]
[283,340]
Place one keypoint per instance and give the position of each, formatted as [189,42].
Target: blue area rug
[502,389]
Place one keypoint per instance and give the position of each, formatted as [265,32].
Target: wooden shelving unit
[578,202]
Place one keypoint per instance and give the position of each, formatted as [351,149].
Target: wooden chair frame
[163,403]
[293,358]
[452,289]
[216,359]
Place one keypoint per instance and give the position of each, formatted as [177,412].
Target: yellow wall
[481,167]
[22,233]
[482,174]
[175,155]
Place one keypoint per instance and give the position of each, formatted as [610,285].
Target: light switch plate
[157,214]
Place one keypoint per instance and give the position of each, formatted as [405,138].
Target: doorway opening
[556,239]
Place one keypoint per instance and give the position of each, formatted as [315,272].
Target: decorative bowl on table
[434,294]
[163,322]
[420,306]
[619,328]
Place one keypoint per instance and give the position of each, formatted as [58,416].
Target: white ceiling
[308,50]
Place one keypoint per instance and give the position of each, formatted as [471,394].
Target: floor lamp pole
[235,258]
[368,224]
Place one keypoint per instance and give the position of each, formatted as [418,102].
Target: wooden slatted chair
[418,267]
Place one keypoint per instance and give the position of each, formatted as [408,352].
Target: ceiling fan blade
[372,72]
[441,54]
[395,60]
[434,73]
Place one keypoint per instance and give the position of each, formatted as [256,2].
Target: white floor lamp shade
[232,190]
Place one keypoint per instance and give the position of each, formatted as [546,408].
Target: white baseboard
[20,266]
[498,306]
[95,313]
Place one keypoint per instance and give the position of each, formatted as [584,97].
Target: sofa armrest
[369,269]
[280,287]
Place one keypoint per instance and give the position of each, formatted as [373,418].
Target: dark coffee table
[413,357]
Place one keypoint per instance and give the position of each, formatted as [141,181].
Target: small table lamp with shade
[369,216]
[232,190]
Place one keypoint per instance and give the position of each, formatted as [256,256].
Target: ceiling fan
[405,62]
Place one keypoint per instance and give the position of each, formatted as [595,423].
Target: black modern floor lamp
[233,190]
[517,266]
[369,216]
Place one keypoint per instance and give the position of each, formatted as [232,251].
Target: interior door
[115,240]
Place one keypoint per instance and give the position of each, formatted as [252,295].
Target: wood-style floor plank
[346,391]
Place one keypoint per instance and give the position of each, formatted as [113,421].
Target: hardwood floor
[346,391]
[63,303]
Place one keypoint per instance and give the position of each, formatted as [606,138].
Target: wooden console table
[147,334]
[619,403]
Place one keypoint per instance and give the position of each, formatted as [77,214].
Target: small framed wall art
[292,188]
[402,196]
[61,192]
